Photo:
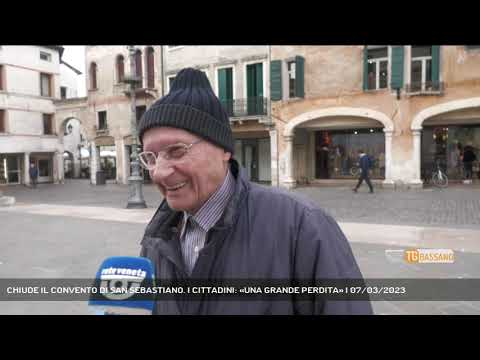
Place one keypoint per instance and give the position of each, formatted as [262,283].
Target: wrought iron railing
[246,107]
[426,87]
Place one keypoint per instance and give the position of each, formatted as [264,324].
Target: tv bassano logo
[426,256]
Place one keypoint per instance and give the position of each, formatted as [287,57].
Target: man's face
[186,184]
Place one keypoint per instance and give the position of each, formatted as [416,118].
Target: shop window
[336,152]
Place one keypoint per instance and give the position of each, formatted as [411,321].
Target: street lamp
[135,181]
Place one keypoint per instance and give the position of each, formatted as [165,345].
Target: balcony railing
[255,106]
[429,87]
[101,130]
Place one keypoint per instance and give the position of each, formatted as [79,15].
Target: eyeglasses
[148,159]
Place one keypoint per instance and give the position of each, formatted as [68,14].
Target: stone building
[408,107]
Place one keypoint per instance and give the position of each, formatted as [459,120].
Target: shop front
[10,169]
[336,152]
[445,145]
[254,156]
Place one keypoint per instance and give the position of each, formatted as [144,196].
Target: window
[150,68]
[120,68]
[1,78]
[102,120]
[45,56]
[63,92]
[140,110]
[45,85]
[225,89]
[377,60]
[93,76]
[291,78]
[421,68]
[48,124]
[171,79]
[2,121]
[138,67]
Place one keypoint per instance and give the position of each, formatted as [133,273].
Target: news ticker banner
[241,289]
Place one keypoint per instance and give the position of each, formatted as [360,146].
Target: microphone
[118,282]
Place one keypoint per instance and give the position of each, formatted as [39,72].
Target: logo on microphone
[120,283]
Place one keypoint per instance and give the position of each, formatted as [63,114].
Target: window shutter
[276,80]
[299,76]
[365,68]
[397,67]
[222,84]
[435,63]
[259,79]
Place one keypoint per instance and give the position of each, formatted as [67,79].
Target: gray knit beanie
[191,105]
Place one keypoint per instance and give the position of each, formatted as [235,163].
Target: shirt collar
[211,211]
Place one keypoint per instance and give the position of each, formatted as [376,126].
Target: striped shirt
[195,227]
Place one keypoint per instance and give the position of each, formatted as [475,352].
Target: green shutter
[435,63]
[365,68]
[222,84]
[250,81]
[299,76]
[276,80]
[259,79]
[397,67]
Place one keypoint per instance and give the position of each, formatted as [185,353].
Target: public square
[66,230]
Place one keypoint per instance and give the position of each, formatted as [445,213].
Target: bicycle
[439,178]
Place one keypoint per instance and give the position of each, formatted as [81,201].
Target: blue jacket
[365,163]
[265,233]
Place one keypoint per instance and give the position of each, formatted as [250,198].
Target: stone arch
[417,122]
[289,130]
[425,114]
[338,111]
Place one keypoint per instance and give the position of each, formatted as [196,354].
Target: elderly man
[215,224]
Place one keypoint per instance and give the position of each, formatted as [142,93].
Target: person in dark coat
[33,172]
[214,224]
[365,166]
[468,158]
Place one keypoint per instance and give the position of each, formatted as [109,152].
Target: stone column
[60,165]
[417,149]
[289,181]
[76,163]
[119,145]
[93,163]
[26,167]
[388,182]
[55,168]
[273,156]
[125,164]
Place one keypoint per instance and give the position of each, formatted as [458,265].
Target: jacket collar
[166,221]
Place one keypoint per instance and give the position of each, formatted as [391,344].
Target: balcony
[246,108]
[426,88]
[101,131]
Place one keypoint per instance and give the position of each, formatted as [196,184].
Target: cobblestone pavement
[456,206]
[66,230]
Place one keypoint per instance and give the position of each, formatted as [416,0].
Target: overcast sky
[75,56]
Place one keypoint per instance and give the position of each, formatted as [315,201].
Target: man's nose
[162,170]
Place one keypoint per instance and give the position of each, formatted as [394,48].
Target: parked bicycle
[439,178]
